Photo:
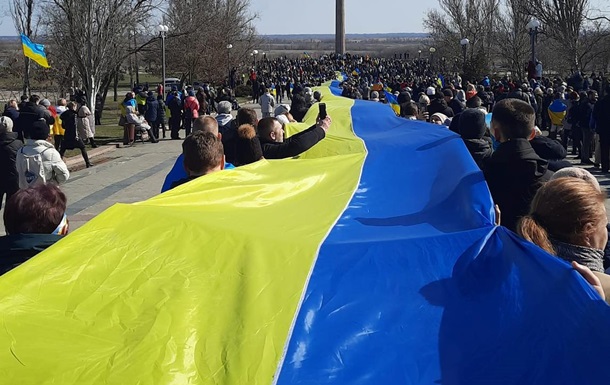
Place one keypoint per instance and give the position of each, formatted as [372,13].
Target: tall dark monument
[340,33]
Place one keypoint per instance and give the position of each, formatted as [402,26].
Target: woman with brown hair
[568,219]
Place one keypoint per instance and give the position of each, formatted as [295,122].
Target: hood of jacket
[37,145]
[479,148]
[223,119]
[8,138]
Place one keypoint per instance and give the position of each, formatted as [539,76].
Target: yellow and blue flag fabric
[364,261]
[34,51]
[307,56]
[392,101]
[557,112]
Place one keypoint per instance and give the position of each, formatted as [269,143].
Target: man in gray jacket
[267,103]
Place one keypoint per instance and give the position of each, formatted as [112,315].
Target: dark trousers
[174,126]
[78,144]
[587,140]
[188,126]
[604,146]
[57,139]
[576,140]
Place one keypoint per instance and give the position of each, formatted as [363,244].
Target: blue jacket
[178,172]
[152,107]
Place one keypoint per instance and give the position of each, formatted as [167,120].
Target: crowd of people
[517,132]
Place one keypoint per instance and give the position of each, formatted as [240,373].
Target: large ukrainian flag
[372,259]
[34,51]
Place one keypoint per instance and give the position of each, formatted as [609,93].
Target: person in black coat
[151,114]
[472,128]
[9,145]
[550,150]
[438,105]
[71,139]
[175,108]
[514,173]
[271,134]
[30,113]
[161,120]
[455,105]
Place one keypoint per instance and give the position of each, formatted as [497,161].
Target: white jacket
[54,167]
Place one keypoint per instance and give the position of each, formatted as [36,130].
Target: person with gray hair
[9,145]
[575,172]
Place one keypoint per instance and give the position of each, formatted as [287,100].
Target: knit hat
[39,130]
[249,149]
[431,91]
[45,102]
[6,124]
[224,107]
[472,124]
[448,93]
[281,109]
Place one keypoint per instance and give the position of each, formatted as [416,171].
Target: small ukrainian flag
[392,101]
[34,51]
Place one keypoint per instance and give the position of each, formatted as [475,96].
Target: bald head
[206,124]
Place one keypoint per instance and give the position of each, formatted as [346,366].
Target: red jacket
[191,103]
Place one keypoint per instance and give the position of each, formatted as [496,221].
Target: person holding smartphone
[275,146]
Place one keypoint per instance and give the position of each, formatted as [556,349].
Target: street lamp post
[163,29]
[464,42]
[254,53]
[229,46]
[533,27]
[419,54]
[432,51]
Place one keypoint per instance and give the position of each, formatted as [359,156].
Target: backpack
[31,170]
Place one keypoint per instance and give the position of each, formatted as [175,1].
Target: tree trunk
[116,86]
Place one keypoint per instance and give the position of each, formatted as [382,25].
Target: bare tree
[202,33]
[92,36]
[472,19]
[512,41]
[23,14]
[572,24]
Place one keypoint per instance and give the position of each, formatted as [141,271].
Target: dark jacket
[601,114]
[294,145]
[480,149]
[160,110]
[439,105]
[299,107]
[552,151]
[28,115]
[11,113]
[18,248]
[9,179]
[518,94]
[68,122]
[583,114]
[229,141]
[514,173]
[456,106]
[152,109]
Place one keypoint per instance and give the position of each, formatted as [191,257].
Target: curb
[77,161]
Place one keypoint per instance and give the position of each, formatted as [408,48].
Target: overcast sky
[318,16]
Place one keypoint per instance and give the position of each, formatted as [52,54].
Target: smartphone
[322,110]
